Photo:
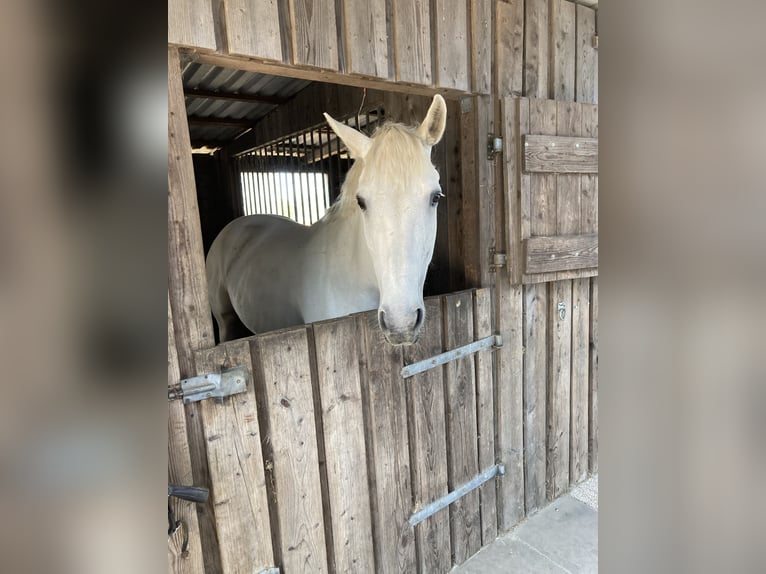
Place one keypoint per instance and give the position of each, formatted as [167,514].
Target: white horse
[371,250]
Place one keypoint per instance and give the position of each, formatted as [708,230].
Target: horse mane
[394,144]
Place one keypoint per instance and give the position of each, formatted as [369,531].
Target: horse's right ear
[357,143]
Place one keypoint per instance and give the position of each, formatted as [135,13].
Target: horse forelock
[396,152]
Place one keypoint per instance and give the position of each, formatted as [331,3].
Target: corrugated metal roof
[225,81]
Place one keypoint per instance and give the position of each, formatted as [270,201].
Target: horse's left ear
[432,128]
[357,143]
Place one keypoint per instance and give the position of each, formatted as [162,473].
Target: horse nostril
[381,319]
[419,318]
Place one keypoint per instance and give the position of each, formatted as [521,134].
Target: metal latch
[499,260]
[494,146]
[211,385]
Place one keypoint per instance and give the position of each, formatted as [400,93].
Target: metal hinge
[498,260]
[212,385]
[494,146]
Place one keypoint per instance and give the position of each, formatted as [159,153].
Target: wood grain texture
[412,41]
[180,472]
[463,459]
[589,183]
[509,406]
[428,443]
[563,21]
[535,384]
[253,28]
[568,200]
[578,436]
[389,445]
[239,493]
[536,60]
[560,154]
[451,44]
[314,33]
[593,381]
[470,197]
[485,412]
[285,379]
[587,56]
[481,46]
[509,111]
[337,356]
[191,23]
[366,38]
[558,396]
[509,34]
[560,252]
[489,210]
[453,184]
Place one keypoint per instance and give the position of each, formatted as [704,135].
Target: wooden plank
[389,449]
[533,278]
[559,154]
[253,28]
[593,381]
[180,472]
[542,120]
[578,437]
[568,200]
[510,47]
[190,23]
[589,183]
[563,44]
[485,412]
[428,443]
[412,41]
[314,35]
[587,56]
[558,396]
[489,211]
[239,494]
[524,179]
[470,152]
[289,427]
[451,44]
[509,407]
[511,176]
[535,384]
[561,252]
[366,38]
[452,252]
[536,66]
[481,46]
[337,356]
[463,459]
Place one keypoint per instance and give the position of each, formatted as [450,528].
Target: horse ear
[432,128]
[357,143]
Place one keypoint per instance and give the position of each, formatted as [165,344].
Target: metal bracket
[491,342]
[499,260]
[494,146]
[562,309]
[212,385]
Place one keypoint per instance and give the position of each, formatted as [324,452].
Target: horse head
[396,190]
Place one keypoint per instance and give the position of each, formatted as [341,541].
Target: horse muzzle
[401,329]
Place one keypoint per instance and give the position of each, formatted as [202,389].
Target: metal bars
[493,341]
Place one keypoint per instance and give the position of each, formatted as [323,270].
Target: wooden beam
[252,98]
[560,154]
[231,122]
[561,253]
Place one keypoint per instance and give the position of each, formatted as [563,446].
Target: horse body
[370,250]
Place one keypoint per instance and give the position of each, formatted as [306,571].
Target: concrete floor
[562,538]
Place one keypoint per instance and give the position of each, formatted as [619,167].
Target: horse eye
[362,204]
[436,197]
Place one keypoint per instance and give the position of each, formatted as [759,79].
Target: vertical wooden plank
[587,56]
[337,355]
[239,494]
[314,33]
[451,40]
[510,47]
[470,152]
[428,444]
[290,430]
[366,50]
[180,472]
[452,188]
[536,67]
[568,200]
[562,19]
[535,384]
[589,182]
[525,206]
[252,28]
[509,408]
[481,46]
[558,396]
[389,445]
[463,460]
[512,178]
[488,210]
[190,23]
[485,412]
[542,187]
[412,41]
[578,438]
[593,381]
